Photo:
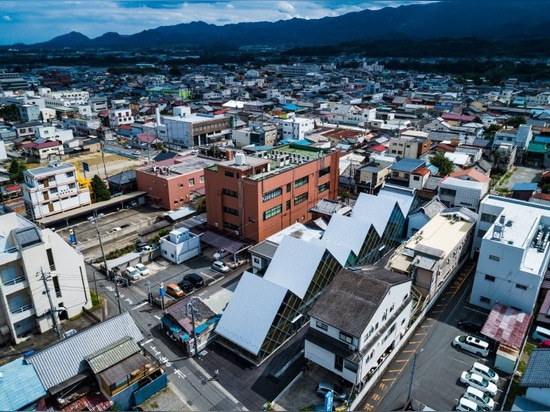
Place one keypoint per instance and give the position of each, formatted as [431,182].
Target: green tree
[515,121]
[16,170]
[444,165]
[100,189]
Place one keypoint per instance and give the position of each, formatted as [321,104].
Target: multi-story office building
[256,197]
[36,263]
[512,238]
[53,189]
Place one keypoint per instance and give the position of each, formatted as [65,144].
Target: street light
[409,398]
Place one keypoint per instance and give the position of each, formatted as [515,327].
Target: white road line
[204,274]
[140,305]
[146,342]
[156,316]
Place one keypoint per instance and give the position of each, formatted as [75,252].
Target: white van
[485,371]
[479,398]
[471,344]
[541,334]
[465,404]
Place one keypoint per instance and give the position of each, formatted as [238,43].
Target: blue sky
[30,21]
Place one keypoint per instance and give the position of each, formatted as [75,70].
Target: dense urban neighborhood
[268,225]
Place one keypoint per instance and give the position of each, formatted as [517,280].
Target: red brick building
[256,197]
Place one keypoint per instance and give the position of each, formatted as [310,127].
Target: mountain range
[485,19]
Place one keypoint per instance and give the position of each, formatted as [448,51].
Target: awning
[221,242]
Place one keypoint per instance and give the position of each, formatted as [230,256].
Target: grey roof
[433,207]
[52,168]
[28,236]
[433,182]
[123,178]
[537,372]
[65,359]
[354,297]
[112,354]
[266,249]
[407,165]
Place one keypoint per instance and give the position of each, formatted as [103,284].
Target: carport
[222,242]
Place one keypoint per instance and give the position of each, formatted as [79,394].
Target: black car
[195,279]
[469,326]
[186,286]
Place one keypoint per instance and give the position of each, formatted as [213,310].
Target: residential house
[180,245]
[536,383]
[465,188]
[26,130]
[361,317]
[371,176]
[119,117]
[21,389]
[42,150]
[419,217]
[411,145]
[53,189]
[256,197]
[262,134]
[265,312]
[512,238]
[174,182]
[35,266]
[519,138]
[294,127]
[402,172]
[434,253]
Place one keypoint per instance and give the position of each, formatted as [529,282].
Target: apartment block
[53,189]
[256,197]
[33,264]
[119,117]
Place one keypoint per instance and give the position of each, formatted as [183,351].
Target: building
[256,134]
[536,382]
[402,172]
[409,146]
[53,189]
[180,245]
[36,265]
[265,312]
[256,197]
[361,316]
[371,177]
[293,127]
[512,238]
[465,188]
[435,252]
[119,117]
[43,150]
[174,182]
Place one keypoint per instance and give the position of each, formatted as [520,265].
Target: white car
[143,270]
[471,344]
[478,382]
[485,371]
[132,273]
[479,398]
[220,266]
[465,404]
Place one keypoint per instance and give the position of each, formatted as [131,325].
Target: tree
[16,170]
[444,165]
[100,189]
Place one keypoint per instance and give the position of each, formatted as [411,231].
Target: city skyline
[32,22]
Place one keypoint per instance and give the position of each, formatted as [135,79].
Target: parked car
[143,270]
[469,326]
[485,371]
[219,266]
[195,279]
[480,398]
[337,391]
[471,344]
[541,334]
[114,229]
[132,273]
[186,286]
[478,382]
[544,344]
[174,290]
[465,404]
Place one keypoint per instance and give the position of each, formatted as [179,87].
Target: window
[72,186]
[274,211]
[395,174]
[490,278]
[481,233]
[229,192]
[346,338]
[484,299]
[495,258]
[201,179]
[229,225]
[192,181]
[300,198]
[322,325]
[229,174]
[288,187]
[287,205]
[486,217]
[520,286]
[301,182]
[70,174]
[231,211]
[324,187]
[272,194]
[447,192]
[417,178]
[324,171]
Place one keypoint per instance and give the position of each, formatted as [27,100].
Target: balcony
[22,313]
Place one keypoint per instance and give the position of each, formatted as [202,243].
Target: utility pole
[192,309]
[53,310]
[107,272]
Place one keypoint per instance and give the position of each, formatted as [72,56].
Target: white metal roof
[250,312]
[344,230]
[294,264]
[375,210]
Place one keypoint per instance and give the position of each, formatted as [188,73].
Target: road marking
[146,342]
[140,305]
[401,360]
[389,379]
[395,370]
[156,316]
[204,274]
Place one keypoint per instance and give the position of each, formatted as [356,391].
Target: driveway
[523,175]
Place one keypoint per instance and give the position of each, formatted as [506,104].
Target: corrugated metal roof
[112,354]
[250,312]
[65,359]
[20,385]
[347,231]
[506,325]
[295,273]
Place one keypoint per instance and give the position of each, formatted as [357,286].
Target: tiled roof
[537,372]
[473,174]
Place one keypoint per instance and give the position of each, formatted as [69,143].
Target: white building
[512,238]
[180,245]
[295,128]
[118,117]
[64,98]
[190,130]
[53,133]
[53,189]
[29,255]
[465,188]
[358,320]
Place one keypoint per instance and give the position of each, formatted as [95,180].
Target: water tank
[239,159]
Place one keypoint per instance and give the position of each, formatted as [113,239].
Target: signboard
[85,166]
[328,401]
[72,236]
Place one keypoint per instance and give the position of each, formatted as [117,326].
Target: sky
[30,21]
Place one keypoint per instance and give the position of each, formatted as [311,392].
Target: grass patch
[515,389]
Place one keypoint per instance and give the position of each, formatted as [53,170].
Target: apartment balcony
[9,255]
[22,313]
[14,285]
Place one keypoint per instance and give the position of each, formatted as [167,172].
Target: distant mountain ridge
[487,19]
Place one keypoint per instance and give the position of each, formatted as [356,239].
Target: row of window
[491,278]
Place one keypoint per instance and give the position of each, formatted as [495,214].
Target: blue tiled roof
[20,385]
[537,372]
[407,165]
